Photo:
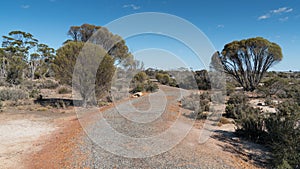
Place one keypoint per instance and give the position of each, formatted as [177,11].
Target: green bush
[12,94]
[272,86]
[236,104]
[163,78]
[279,131]
[138,88]
[284,135]
[250,124]
[151,87]
[141,83]
[202,79]
[140,77]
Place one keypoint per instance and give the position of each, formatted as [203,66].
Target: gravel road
[136,135]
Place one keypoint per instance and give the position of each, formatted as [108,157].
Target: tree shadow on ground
[58,102]
[257,154]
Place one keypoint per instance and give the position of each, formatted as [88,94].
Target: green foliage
[141,83]
[272,86]
[236,104]
[140,77]
[88,77]
[202,79]
[284,135]
[151,87]
[64,62]
[113,44]
[247,60]
[250,124]
[15,71]
[12,94]
[163,78]
[138,88]
[280,131]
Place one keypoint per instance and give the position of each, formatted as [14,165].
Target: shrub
[230,88]
[280,131]
[190,102]
[269,101]
[151,87]
[272,86]
[12,94]
[284,135]
[64,90]
[236,104]
[138,88]
[163,78]
[202,79]
[140,77]
[198,103]
[34,93]
[48,84]
[29,84]
[142,83]
[250,124]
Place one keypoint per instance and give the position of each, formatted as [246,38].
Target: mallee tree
[247,60]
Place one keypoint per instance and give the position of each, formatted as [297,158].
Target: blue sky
[221,21]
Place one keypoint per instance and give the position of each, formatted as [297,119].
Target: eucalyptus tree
[247,60]
[17,46]
[113,44]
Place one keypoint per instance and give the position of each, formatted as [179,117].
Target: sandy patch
[17,137]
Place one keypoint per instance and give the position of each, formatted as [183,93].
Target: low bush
[29,84]
[48,84]
[199,103]
[151,87]
[141,83]
[34,93]
[64,90]
[12,94]
[236,104]
[250,124]
[279,131]
[284,135]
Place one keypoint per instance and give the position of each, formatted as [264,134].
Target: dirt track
[71,146]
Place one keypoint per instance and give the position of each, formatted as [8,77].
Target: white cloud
[264,17]
[278,11]
[283,19]
[220,26]
[132,6]
[25,6]
[282,10]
